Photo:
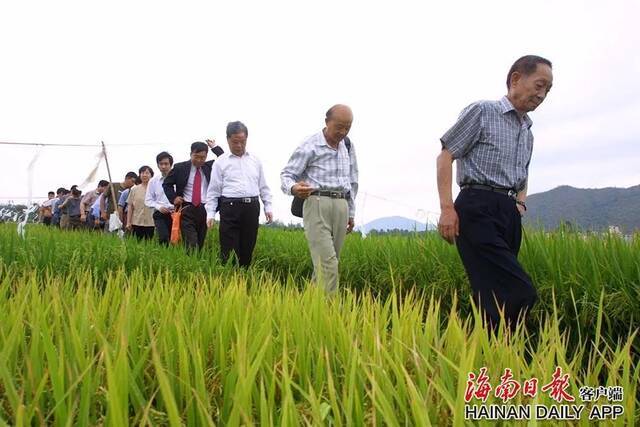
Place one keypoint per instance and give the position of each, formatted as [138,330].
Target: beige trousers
[64,221]
[325,226]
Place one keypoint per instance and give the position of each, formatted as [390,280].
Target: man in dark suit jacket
[186,187]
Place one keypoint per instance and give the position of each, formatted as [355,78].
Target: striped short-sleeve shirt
[491,145]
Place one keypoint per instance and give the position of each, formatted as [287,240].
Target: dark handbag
[297,203]
[296,206]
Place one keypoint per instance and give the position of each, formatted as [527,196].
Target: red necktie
[197,186]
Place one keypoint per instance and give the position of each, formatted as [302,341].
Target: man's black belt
[332,194]
[506,191]
[239,199]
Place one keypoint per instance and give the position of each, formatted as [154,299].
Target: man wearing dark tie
[186,187]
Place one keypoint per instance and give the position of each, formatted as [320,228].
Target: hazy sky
[170,73]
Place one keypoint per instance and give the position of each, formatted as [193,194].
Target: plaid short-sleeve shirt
[323,167]
[491,145]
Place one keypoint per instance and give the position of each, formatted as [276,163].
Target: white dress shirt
[233,176]
[156,197]
[188,189]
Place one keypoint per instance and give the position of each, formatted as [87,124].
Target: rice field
[99,331]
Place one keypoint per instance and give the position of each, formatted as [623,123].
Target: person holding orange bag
[186,186]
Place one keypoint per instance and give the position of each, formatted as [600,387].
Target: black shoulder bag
[297,203]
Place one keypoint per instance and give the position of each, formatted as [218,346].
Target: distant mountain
[588,209]
[393,223]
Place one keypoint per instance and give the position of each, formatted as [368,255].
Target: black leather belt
[506,191]
[332,194]
[239,199]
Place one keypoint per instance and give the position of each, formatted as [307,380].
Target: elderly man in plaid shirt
[323,171]
[492,145]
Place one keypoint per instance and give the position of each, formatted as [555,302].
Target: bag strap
[347,143]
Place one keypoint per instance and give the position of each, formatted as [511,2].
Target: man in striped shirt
[323,171]
[492,145]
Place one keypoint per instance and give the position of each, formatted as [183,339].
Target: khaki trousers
[64,221]
[325,226]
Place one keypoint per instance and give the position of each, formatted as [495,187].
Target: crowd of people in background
[322,173]
[70,209]
[144,202]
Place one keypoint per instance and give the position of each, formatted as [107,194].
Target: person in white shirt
[88,200]
[237,180]
[45,213]
[157,199]
[98,222]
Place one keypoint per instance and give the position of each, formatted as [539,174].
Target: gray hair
[236,127]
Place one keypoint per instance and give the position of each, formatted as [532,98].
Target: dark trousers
[91,222]
[163,227]
[488,244]
[142,232]
[74,222]
[238,230]
[193,226]
[46,220]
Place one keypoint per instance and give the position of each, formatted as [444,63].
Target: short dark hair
[131,175]
[164,155]
[103,183]
[61,190]
[526,65]
[145,168]
[73,186]
[75,192]
[198,147]
[236,127]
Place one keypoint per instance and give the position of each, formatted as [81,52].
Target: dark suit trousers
[193,226]
[163,227]
[488,244]
[238,230]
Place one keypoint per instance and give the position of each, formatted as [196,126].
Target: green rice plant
[139,347]
[576,269]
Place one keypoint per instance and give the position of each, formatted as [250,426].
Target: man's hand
[105,216]
[269,216]
[83,217]
[350,225]
[164,211]
[520,209]
[211,223]
[301,189]
[178,201]
[129,227]
[448,225]
[210,142]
